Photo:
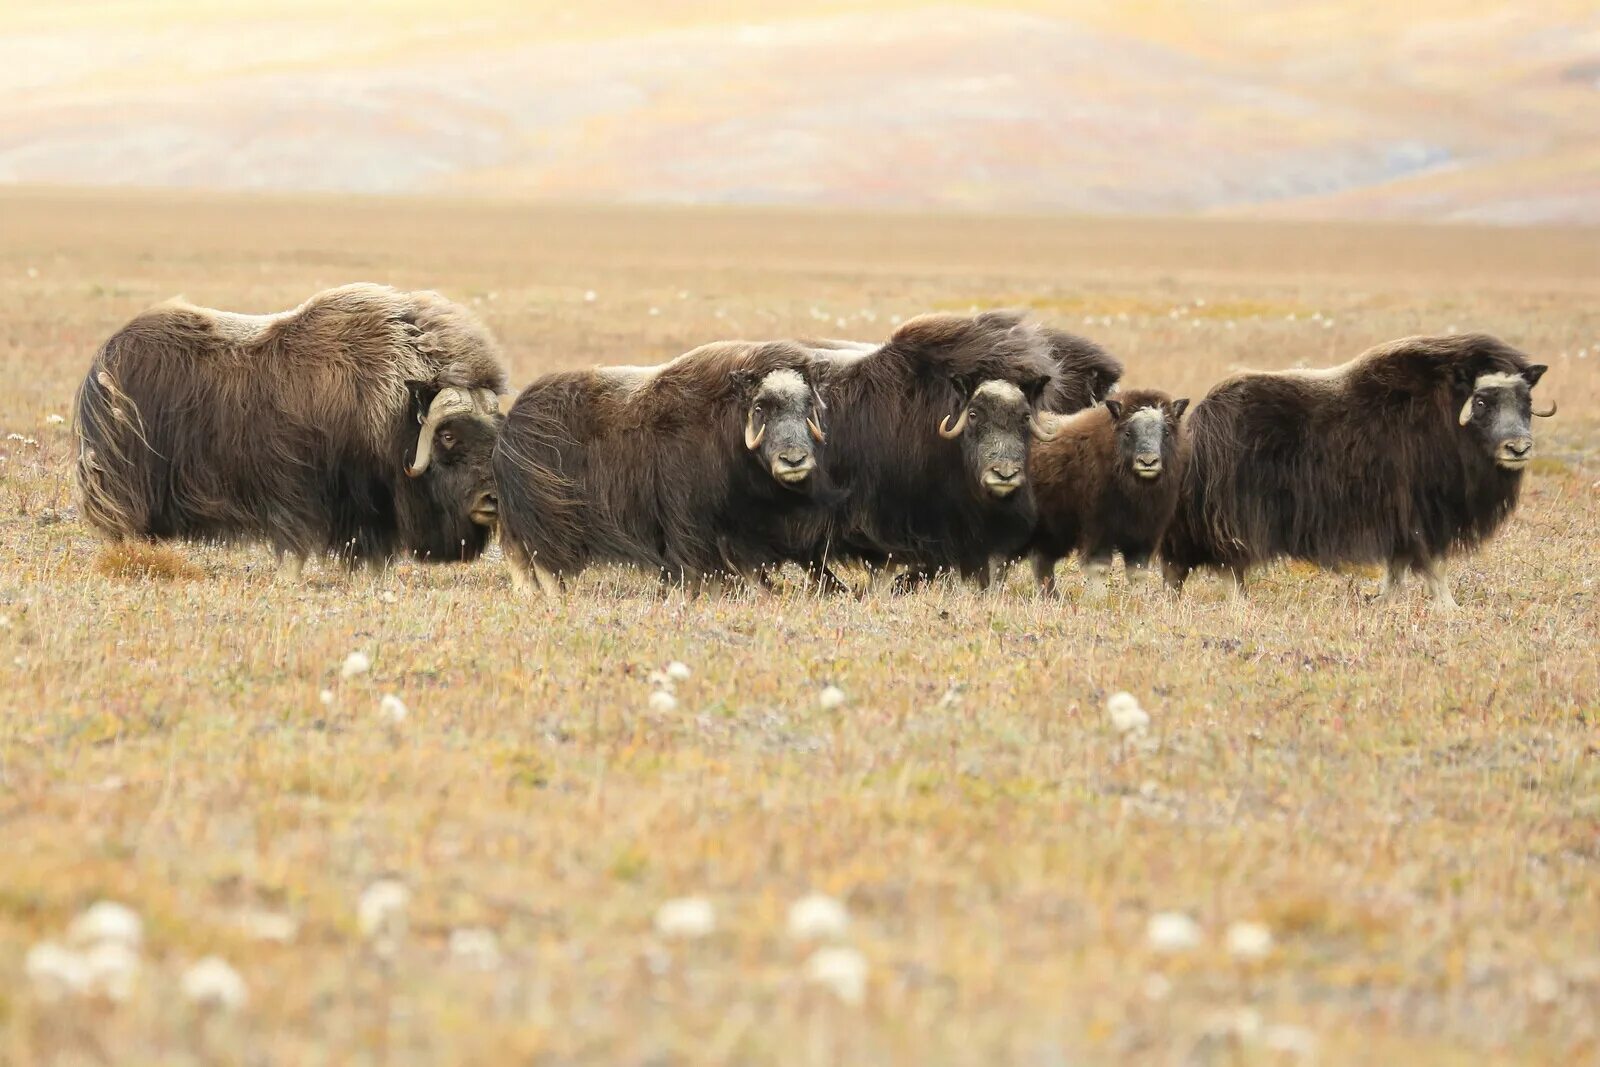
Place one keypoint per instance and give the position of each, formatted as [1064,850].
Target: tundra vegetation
[948,827]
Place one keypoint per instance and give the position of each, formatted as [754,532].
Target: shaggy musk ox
[1085,373]
[928,442]
[691,468]
[1404,456]
[1107,482]
[360,423]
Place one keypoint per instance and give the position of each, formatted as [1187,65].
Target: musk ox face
[448,507]
[1497,413]
[993,428]
[783,423]
[1146,435]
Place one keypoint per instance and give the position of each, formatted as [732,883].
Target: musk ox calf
[1107,482]
[1404,456]
[928,444]
[691,468]
[359,423]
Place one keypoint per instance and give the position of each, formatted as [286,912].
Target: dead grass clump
[134,560]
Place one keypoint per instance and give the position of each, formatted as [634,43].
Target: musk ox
[1085,373]
[691,468]
[1406,455]
[1107,482]
[360,423]
[928,443]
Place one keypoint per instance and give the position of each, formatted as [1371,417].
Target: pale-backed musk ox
[1107,482]
[928,443]
[1404,456]
[1085,373]
[690,469]
[360,423]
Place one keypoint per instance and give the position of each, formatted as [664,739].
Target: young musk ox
[360,424]
[928,438]
[1404,456]
[691,468]
[1107,482]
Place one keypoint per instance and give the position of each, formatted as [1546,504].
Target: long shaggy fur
[1359,464]
[647,466]
[1085,372]
[291,428]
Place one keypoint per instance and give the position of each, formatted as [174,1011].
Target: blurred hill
[1457,111]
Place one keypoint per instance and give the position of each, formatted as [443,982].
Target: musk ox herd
[366,424]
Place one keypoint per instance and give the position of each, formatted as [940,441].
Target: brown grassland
[1409,801]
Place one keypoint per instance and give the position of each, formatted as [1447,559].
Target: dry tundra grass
[1409,803]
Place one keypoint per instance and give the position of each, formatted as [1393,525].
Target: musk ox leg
[1094,578]
[1394,578]
[1044,572]
[291,565]
[1136,570]
[821,579]
[1175,574]
[1433,576]
[542,578]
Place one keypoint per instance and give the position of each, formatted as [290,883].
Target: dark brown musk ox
[691,469]
[1106,482]
[358,424]
[1405,456]
[1085,372]
[928,444]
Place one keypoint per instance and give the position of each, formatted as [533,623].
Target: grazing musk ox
[691,468]
[1404,456]
[1107,482]
[359,423]
[928,437]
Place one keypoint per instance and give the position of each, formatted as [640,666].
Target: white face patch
[787,384]
[1145,416]
[1001,391]
[1486,383]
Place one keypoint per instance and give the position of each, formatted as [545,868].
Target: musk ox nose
[1147,464]
[792,465]
[486,509]
[1002,479]
[1516,451]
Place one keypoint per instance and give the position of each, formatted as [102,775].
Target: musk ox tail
[541,508]
[114,468]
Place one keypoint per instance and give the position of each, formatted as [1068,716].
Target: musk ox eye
[447,439]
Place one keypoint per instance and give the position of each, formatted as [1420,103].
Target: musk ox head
[783,422]
[447,505]
[1145,425]
[1497,411]
[993,426]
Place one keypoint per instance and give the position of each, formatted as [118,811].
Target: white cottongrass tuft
[1127,717]
[326,697]
[659,680]
[1172,932]
[259,925]
[686,918]
[818,917]
[392,710]
[355,663]
[840,970]
[213,984]
[831,698]
[1249,941]
[107,921]
[113,969]
[53,420]
[475,948]
[381,913]
[678,671]
[590,296]
[662,701]
[55,972]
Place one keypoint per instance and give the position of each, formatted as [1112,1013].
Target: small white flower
[678,671]
[107,921]
[268,926]
[818,917]
[686,918]
[590,296]
[841,970]
[475,948]
[381,913]
[831,698]
[113,969]
[654,312]
[662,701]
[53,419]
[1172,932]
[1291,1040]
[56,973]
[355,663]
[1249,941]
[1126,714]
[326,696]
[212,983]
[392,710]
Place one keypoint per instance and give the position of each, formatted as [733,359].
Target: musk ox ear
[1178,407]
[744,382]
[422,394]
[1533,374]
[1115,407]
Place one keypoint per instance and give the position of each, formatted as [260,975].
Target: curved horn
[1036,425]
[753,436]
[450,401]
[1466,412]
[487,401]
[816,431]
[950,433]
[1547,414]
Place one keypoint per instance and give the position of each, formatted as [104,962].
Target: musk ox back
[1106,482]
[360,423]
[693,469]
[1406,455]
[1085,373]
